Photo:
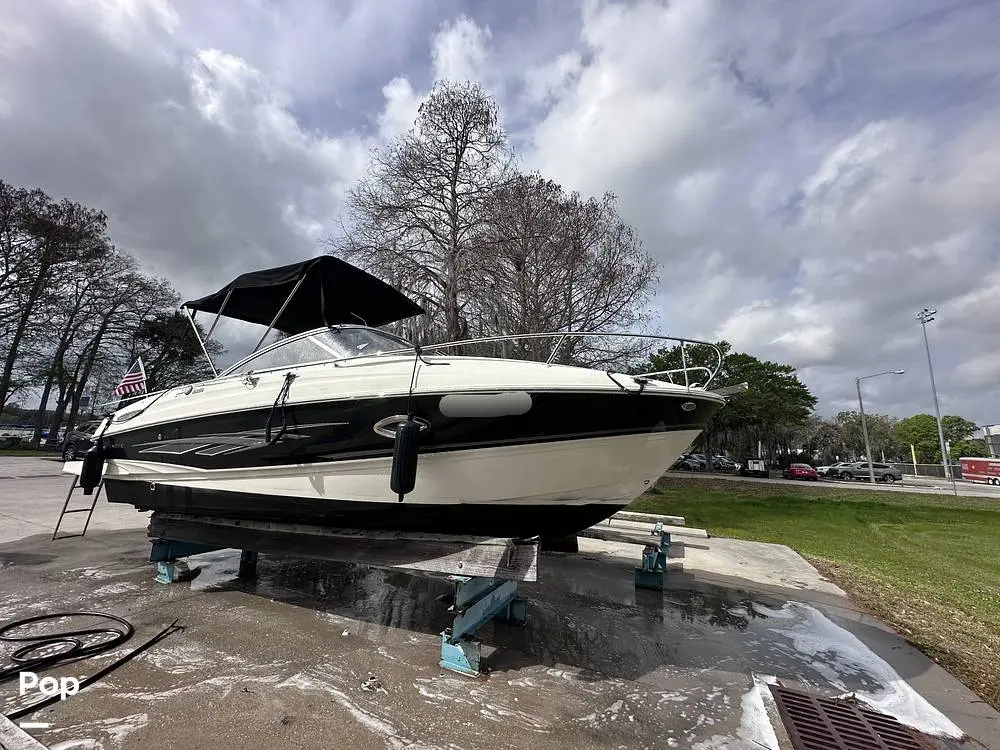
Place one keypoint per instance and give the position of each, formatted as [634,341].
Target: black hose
[43,643]
[49,653]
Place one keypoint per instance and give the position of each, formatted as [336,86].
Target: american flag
[134,380]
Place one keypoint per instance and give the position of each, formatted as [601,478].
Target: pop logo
[49,686]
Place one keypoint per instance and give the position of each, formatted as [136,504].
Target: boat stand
[484,570]
[653,565]
[477,601]
[167,554]
[650,574]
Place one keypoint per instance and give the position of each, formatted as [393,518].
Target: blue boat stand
[650,574]
[165,553]
[477,601]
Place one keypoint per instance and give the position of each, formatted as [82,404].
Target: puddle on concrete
[586,646]
[380,597]
[24,558]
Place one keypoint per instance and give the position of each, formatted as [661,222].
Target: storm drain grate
[816,723]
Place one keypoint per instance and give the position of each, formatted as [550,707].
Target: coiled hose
[46,650]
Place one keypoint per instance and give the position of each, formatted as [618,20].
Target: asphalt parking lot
[314,654]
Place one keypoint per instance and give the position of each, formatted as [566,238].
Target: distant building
[991,434]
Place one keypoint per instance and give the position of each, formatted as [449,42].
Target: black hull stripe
[550,521]
[459,447]
[340,430]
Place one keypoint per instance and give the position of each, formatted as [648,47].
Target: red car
[800,471]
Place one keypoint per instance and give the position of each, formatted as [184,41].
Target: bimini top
[299,297]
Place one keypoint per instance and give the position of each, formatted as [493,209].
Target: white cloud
[808,175]
[401,104]
[543,84]
[459,50]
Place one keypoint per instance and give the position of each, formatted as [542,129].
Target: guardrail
[686,370]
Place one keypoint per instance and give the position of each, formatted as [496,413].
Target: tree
[972,448]
[823,438]
[956,429]
[417,218]
[170,351]
[557,262]
[881,435]
[75,310]
[920,430]
[772,411]
[445,217]
[37,237]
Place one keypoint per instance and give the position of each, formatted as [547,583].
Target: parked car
[882,472]
[688,462]
[833,470]
[800,471]
[721,463]
[78,441]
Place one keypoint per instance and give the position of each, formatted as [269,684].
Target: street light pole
[925,316]
[864,424]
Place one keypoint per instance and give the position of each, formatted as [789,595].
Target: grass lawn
[927,564]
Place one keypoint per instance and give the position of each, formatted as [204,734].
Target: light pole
[925,316]
[864,424]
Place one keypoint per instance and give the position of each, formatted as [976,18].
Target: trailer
[981,470]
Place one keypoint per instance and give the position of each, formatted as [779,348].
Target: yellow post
[913,452]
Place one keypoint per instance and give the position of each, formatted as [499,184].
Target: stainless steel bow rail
[677,376]
[685,370]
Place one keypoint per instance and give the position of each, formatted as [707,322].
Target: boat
[342,424]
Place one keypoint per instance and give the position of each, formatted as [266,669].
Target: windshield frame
[235,369]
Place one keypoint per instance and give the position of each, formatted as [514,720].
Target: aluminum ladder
[66,510]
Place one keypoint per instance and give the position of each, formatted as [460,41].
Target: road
[923,485]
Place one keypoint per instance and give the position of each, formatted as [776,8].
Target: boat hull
[551,489]
[508,448]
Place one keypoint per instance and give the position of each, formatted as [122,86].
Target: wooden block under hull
[487,557]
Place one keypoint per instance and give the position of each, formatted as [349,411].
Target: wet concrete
[284,660]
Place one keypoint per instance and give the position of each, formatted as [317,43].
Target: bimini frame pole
[217,316]
[201,343]
[280,311]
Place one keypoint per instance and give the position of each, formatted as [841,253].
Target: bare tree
[118,289]
[39,236]
[557,262]
[74,309]
[418,217]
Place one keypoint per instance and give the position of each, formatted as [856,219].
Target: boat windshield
[321,345]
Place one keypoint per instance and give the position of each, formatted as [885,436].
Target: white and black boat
[342,424]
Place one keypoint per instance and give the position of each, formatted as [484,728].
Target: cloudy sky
[809,174]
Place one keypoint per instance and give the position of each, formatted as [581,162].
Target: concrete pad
[12,737]
[32,492]
[284,660]
[14,467]
[722,560]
